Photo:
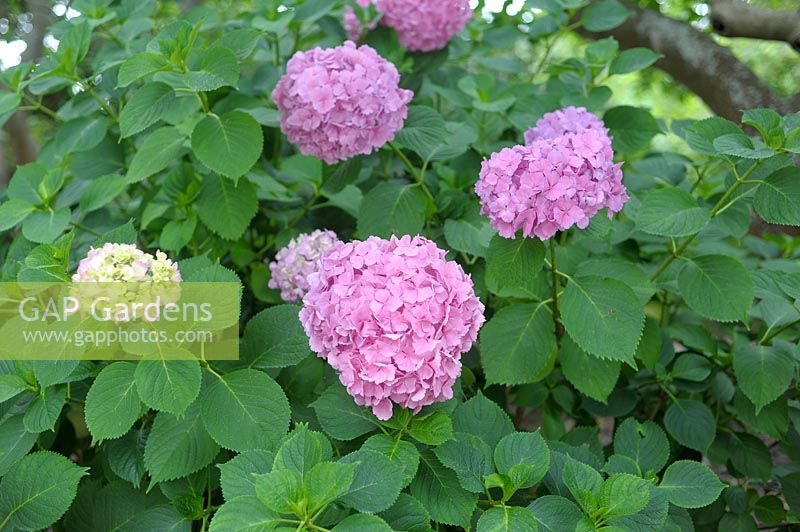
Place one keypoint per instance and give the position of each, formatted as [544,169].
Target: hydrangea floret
[294,263]
[424,25]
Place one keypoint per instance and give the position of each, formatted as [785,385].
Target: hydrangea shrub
[479,290]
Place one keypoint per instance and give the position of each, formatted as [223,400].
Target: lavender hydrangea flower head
[392,317]
[562,177]
[424,25]
[295,263]
[339,102]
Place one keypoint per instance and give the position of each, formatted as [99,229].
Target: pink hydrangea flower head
[295,263]
[392,317]
[351,24]
[551,184]
[424,25]
[569,120]
[339,102]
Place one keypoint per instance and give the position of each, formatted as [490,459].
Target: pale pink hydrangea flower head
[562,177]
[392,317]
[424,25]
[352,24]
[294,264]
[339,102]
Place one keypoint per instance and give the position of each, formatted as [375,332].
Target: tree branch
[710,70]
[735,18]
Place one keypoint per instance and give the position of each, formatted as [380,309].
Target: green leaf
[623,494]
[302,450]
[632,60]
[281,490]
[470,234]
[631,127]
[13,212]
[507,519]
[691,367]
[101,191]
[583,482]
[126,456]
[423,131]
[691,423]
[159,150]
[777,198]
[767,122]
[717,287]
[469,457]
[517,343]
[362,523]
[652,517]
[15,441]
[407,515]
[274,338]
[432,429]
[45,226]
[80,134]
[592,376]
[178,447]
[400,452]
[112,404]
[740,145]
[241,42]
[671,212]
[229,144]
[764,372]
[524,457]
[555,513]
[512,263]
[377,481]
[237,476]
[690,484]
[327,482]
[244,514]
[246,410]
[37,490]
[392,208]
[218,68]
[603,316]
[644,443]
[145,108]
[140,65]
[177,233]
[439,491]
[604,15]
[11,385]
[168,385]
[9,101]
[340,416]
[45,409]
[226,207]
[701,135]
[483,418]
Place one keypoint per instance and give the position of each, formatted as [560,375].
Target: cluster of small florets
[124,274]
[392,317]
[352,24]
[562,177]
[295,263]
[339,102]
[424,25]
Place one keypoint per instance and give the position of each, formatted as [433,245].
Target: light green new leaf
[431,429]
[717,287]
[145,108]
[603,316]
[400,452]
[302,450]
[168,385]
[327,482]
[238,476]
[218,68]
[274,338]
[246,410]
[691,423]
[690,484]
[11,385]
[507,519]
[469,457]
[764,372]
[671,212]
[777,198]
[140,65]
[517,344]
[281,490]
[37,491]
[112,404]
[623,494]
[12,212]
[177,447]
[159,150]
[229,144]
[226,207]
[392,208]
[583,482]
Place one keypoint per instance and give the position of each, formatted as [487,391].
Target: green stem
[554,275]
[413,171]
[714,211]
[770,335]
[107,108]
[39,107]
[86,229]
